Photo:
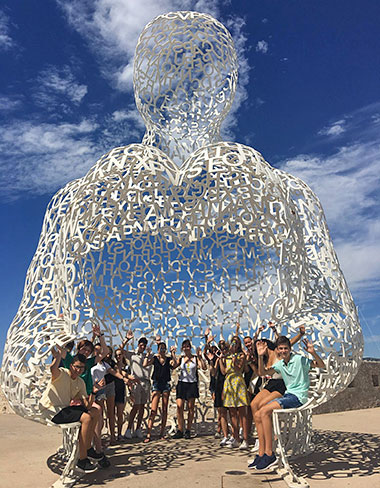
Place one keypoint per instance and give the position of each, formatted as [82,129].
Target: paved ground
[347,455]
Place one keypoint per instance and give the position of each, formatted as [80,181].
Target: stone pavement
[347,454]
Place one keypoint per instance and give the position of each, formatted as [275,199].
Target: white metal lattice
[142,242]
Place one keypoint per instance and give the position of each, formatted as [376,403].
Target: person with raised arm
[210,356]
[86,348]
[235,395]
[141,384]
[120,365]
[66,401]
[270,387]
[104,391]
[162,366]
[218,396]
[187,387]
[294,370]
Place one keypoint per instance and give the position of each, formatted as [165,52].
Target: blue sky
[308,100]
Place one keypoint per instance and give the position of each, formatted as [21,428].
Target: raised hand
[56,351]
[261,347]
[173,349]
[96,330]
[210,338]
[199,352]
[302,330]
[308,346]
[157,339]
[129,335]
[207,331]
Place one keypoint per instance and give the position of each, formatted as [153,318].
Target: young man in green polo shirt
[294,370]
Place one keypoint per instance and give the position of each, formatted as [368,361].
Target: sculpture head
[185,74]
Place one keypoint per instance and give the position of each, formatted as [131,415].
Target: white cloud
[6,42]
[262,47]
[132,114]
[8,104]
[57,88]
[347,183]
[42,157]
[39,157]
[236,27]
[334,129]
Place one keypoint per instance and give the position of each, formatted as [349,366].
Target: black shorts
[186,391]
[276,385]
[120,393]
[69,414]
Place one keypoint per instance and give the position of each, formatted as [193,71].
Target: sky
[308,99]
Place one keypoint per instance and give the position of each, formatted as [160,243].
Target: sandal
[147,439]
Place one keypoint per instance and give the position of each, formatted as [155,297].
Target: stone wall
[363,392]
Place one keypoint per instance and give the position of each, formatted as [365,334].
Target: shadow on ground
[337,455]
[137,458]
[340,455]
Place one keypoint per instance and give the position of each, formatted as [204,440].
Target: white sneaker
[217,435]
[241,432]
[138,433]
[128,434]
[233,444]
[244,445]
[224,441]
[256,446]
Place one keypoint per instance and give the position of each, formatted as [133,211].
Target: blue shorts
[162,387]
[288,401]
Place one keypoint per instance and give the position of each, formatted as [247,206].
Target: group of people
[249,384]
[245,384]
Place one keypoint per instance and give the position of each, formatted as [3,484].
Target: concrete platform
[347,455]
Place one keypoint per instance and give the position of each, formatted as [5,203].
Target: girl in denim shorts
[162,366]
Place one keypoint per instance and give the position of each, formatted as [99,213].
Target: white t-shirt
[188,370]
[99,371]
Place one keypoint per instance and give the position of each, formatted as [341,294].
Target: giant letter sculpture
[182,230]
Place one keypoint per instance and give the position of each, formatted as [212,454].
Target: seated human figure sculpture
[141,243]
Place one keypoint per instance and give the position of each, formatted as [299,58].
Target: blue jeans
[288,401]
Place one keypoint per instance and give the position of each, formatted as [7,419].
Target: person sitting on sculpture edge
[294,369]
[66,401]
